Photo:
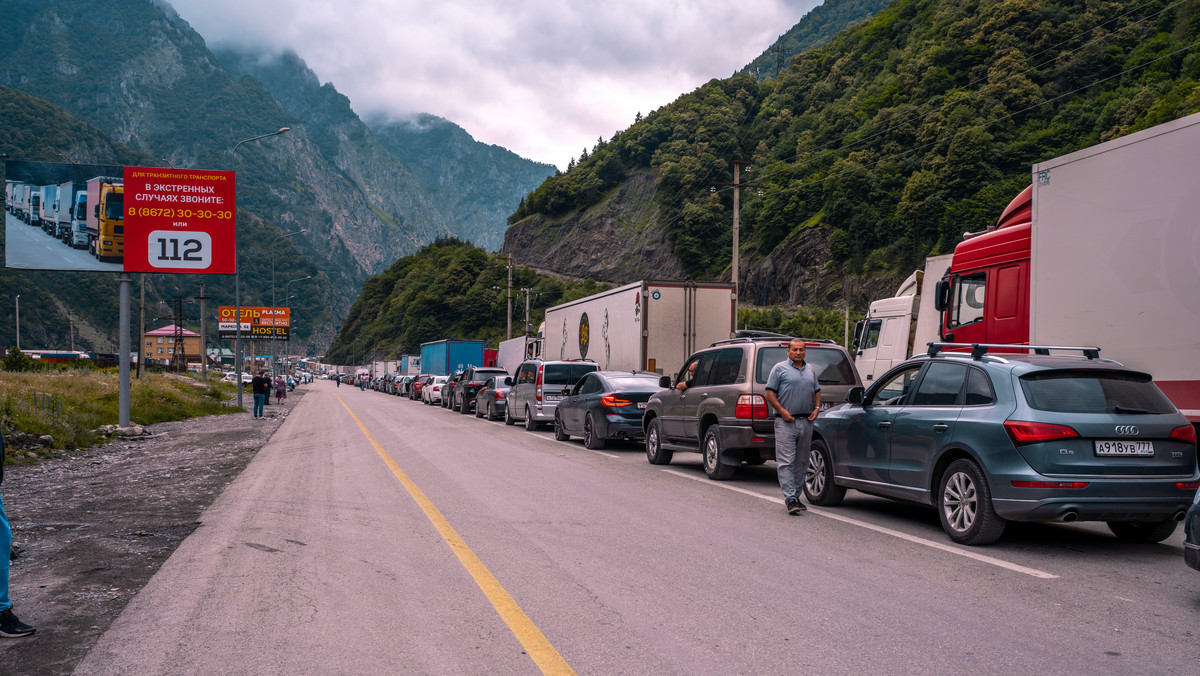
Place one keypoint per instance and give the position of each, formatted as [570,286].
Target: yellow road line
[535,643]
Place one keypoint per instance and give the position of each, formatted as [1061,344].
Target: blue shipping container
[443,357]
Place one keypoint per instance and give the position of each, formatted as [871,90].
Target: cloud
[543,78]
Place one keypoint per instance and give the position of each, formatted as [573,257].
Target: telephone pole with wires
[737,185]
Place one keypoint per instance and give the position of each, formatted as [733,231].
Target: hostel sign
[258,323]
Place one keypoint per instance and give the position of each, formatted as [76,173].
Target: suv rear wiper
[1122,409]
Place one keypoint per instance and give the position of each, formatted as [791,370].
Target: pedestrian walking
[10,626]
[280,389]
[795,393]
[261,385]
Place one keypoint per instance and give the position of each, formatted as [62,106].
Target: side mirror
[665,382]
[855,395]
[858,328]
[508,380]
[566,391]
[941,297]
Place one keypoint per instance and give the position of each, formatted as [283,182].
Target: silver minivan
[538,387]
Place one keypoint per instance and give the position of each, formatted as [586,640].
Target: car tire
[560,432]
[591,439]
[1143,532]
[964,503]
[530,424]
[711,452]
[463,407]
[508,419]
[819,486]
[655,453]
[478,409]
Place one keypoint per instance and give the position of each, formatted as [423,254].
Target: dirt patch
[94,525]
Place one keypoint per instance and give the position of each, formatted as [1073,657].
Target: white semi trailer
[644,326]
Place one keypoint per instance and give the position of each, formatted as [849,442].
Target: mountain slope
[813,30]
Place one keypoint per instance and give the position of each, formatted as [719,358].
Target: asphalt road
[376,535]
[31,248]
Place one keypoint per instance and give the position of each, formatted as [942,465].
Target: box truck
[106,217]
[70,196]
[410,365]
[444,357]
[896,327]
[1101,250]
[33,211]
[48,218]
[644,326]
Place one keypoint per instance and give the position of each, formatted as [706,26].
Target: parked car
[418,386]
[724,415]
[451,380]
[537,388]
[432,392]
[403,385]
[988,439]
[492,398]
[1191,532]
[605,405]
[462,397]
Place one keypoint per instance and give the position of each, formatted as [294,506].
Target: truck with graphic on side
[106,218]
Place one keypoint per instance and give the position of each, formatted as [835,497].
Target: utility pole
[141,371]
[204,337]
[509,334]
[737,185]
[528,326]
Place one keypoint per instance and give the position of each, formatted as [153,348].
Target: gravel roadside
[95,525]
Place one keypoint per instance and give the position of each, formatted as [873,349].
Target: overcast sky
[543,78]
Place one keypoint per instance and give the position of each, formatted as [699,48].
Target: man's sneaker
[793,506]
[11,627]
[800,506]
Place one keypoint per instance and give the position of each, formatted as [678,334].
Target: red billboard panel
[179,220]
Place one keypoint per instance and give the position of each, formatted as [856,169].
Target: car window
[831,365]
[941,386]
[491,382]
[968,300]
[708,362]
[587,385]
[634,383]
[979,389]
[1094,392]
[726,367]
[871,335]
[566,374]
[768,357]
[892,391]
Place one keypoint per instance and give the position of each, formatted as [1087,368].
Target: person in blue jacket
[10,626]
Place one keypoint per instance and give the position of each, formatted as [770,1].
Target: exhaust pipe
[1070,515]
[1180,515]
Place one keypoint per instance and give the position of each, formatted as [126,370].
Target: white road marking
[941,546]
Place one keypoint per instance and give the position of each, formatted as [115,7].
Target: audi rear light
[537,385]
[1187,485]
[1022,432]
[1073,485]
[751,406]
[613,401]
[1184,433]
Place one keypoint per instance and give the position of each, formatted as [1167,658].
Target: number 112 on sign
[175,250]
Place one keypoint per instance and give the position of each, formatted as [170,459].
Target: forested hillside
[814,30]
[889,142]
[448,289]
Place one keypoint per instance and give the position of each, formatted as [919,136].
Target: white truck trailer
[72,217]
[896,327]
[644,326]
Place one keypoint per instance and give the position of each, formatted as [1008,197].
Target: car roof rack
[978,350]
[767,335]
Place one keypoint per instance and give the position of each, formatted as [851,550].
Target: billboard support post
[124,280]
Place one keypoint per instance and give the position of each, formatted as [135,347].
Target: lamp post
[18,321]
[237,271]
[274,334]
[286,297]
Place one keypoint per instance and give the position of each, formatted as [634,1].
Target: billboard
[107,218]
[258,323]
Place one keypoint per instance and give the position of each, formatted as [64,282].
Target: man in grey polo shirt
[795,394]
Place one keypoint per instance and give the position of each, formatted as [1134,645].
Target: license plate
[1124,448]
[552,397]
[641,404]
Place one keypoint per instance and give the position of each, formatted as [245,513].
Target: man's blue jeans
[792,442]
[5,546]
[260,400]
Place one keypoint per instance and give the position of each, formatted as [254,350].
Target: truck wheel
[712,456]
[1144,532]
[964,504]
[530,423]
[819,486]
[560,432]
[590,438]
[655,453]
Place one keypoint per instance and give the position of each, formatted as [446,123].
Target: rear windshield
[1094,392]
[831,364]
[634,383]
[565,374]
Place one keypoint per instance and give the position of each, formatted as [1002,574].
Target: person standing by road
[262,387]
[795,393]
[10,626]
[280,389]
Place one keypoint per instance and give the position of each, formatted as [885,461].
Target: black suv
[463,391]
[724,414]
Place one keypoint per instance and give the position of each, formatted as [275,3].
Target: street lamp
[286,297]
[18,321]
[274,334]
[237,270]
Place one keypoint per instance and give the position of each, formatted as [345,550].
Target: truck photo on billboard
[106,218]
